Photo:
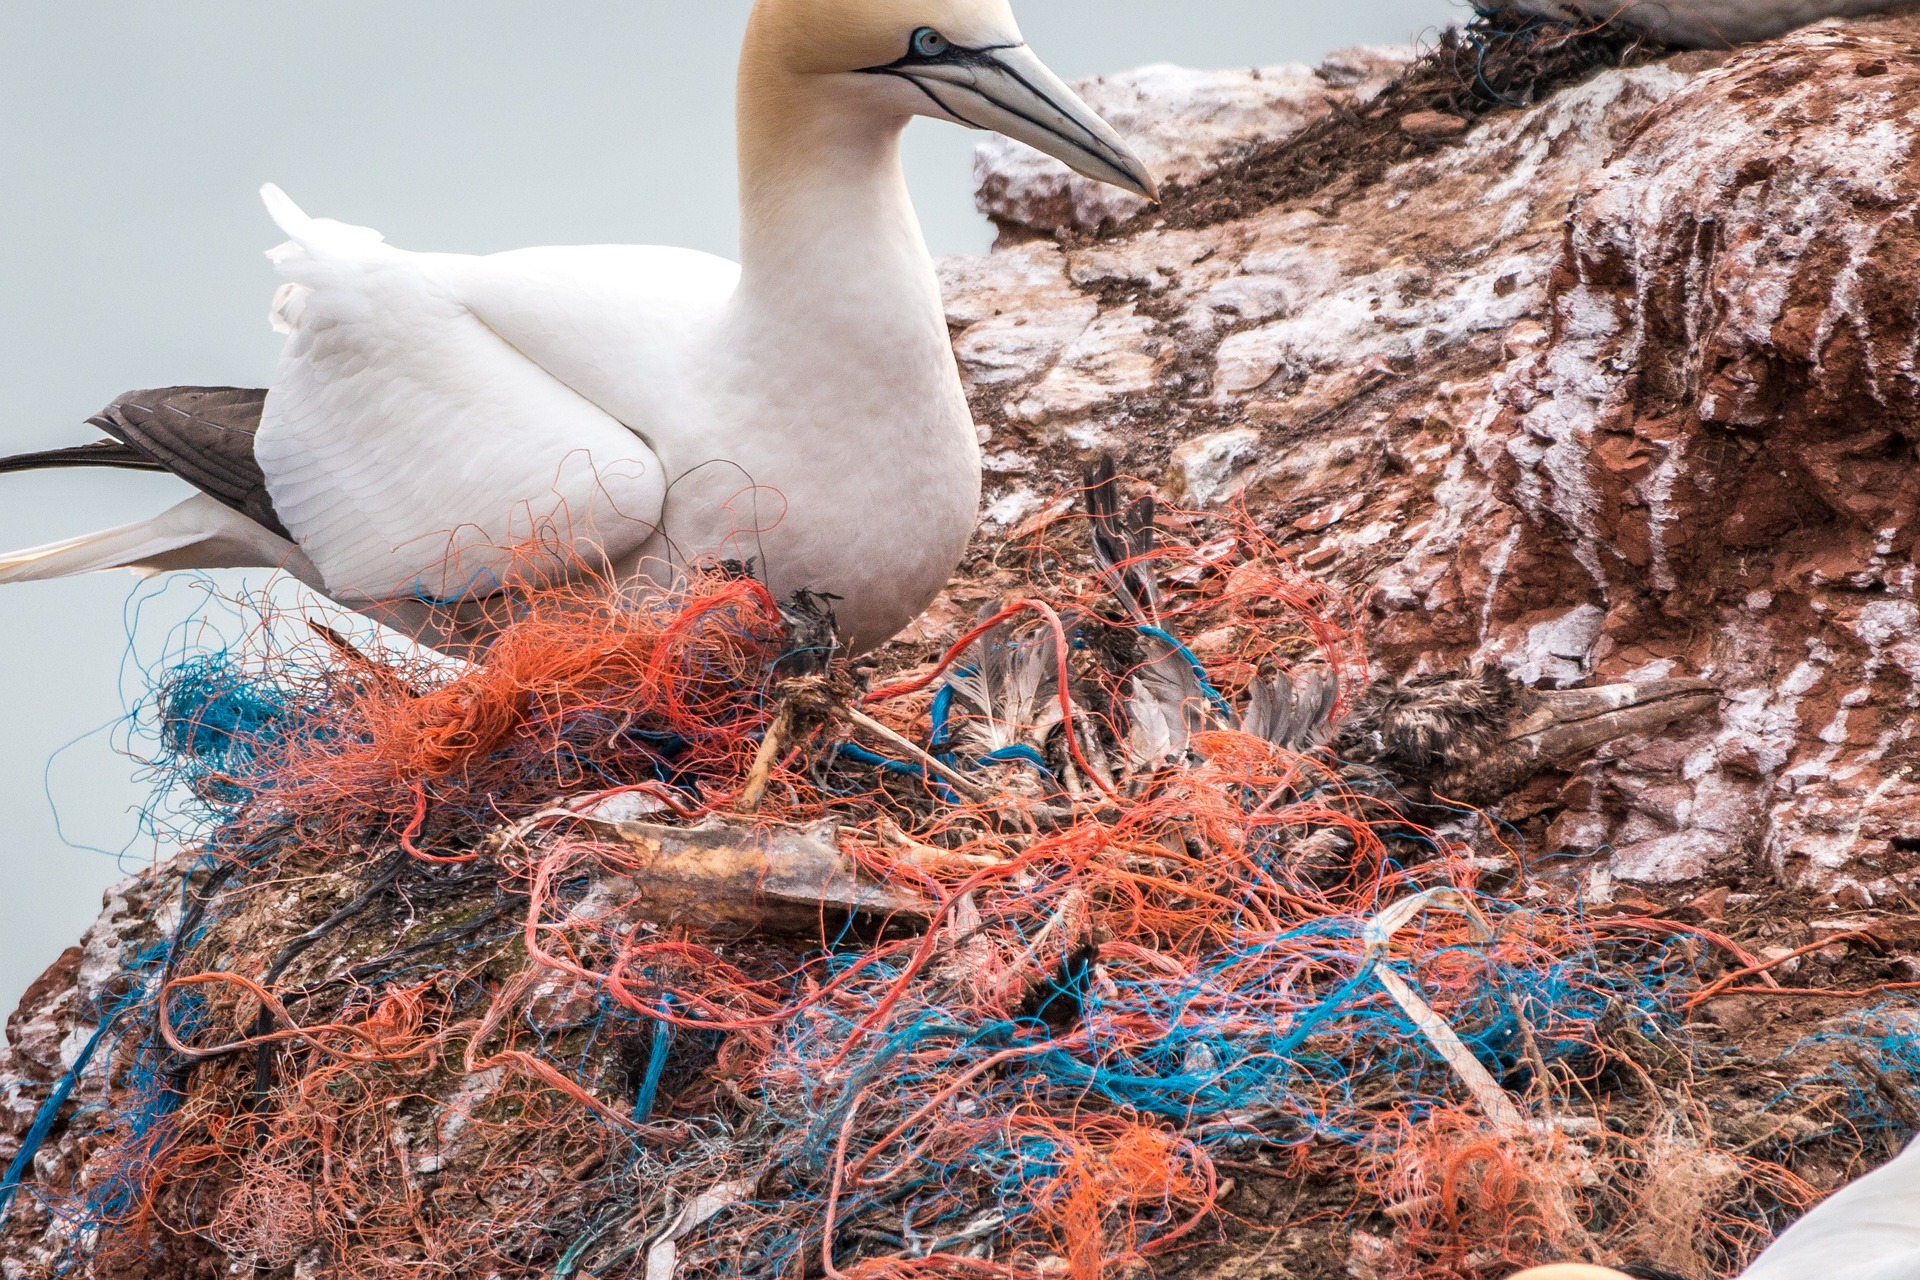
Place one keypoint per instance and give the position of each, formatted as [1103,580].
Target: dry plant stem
[1486,1091]
[358,658]
[918,854]
[952,777]
[761,775]
[1530,1045]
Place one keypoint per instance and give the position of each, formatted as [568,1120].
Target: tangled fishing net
[476,973]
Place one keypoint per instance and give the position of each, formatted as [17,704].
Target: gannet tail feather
[121,548]
[200,533]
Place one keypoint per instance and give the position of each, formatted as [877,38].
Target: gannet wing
[412,451]
[626,326]
[205,436]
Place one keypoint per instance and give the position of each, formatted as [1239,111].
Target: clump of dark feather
[1432,727]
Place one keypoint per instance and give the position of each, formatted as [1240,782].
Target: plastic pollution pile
[476,972]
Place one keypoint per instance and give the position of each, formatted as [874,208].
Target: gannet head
[1572,1271]
[958,60]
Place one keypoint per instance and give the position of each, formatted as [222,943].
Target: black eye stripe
[950,54]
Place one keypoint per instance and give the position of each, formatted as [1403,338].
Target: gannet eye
[928,43]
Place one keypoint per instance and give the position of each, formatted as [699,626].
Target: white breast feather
[1869,1230]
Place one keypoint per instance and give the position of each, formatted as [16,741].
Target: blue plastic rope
[1018,753]
[656,1063]
[939,714]
[50,1112]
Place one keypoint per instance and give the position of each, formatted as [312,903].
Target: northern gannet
[1869,1230]
[630,410]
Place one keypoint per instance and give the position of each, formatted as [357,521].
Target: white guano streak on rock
[1660,515]
[1496,570]
[1207,463]
[1556,652]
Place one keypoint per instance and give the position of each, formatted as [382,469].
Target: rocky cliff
[1599,367]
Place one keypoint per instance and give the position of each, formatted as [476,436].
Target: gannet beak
[1008,90]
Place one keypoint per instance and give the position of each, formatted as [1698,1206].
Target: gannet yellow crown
[810,65]
[625,410]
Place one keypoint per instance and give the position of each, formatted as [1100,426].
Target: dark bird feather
[1169,701]
[1009,688]
[1430,727]
[101,453]
[1123,542]
[1168,706]
[1293,711]
[204,435]
[813,632]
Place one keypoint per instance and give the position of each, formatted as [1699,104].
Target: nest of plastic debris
[662,941]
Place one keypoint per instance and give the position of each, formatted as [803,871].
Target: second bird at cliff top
[635,409]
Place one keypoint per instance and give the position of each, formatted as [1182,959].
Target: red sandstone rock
[1714,452]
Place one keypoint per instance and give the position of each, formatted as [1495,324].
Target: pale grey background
[132,138]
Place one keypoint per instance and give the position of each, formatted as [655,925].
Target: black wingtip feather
[101,453]
[1123,540]
[204,435]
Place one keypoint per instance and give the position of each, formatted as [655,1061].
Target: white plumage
[442,426]
[1869,1230]
[413,447]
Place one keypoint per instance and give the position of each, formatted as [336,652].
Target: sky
[132,141]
